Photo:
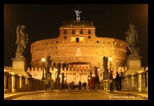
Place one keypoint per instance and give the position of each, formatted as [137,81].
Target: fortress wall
[37,72]
[71,51]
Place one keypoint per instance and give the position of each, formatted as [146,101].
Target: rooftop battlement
[77,23]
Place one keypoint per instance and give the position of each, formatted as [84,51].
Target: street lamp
[111,75]
[43,60]
[110,59]
[98,69]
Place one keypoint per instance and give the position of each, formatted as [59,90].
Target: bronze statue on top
[21,41]
[132,40]
[77,15]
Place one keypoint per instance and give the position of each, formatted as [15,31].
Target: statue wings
[18,34]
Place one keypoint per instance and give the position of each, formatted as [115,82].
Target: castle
[78,48]
[76,54]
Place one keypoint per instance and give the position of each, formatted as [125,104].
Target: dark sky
[42,21]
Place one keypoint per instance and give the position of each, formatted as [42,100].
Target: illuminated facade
[78,47]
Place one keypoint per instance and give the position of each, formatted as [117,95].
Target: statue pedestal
[18,66]
[133,63]
[106,75]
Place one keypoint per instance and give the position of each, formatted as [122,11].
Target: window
[89,31]
[89,37]
[65,32]
[81,32]
[77,40]
[73,32]
[65,37]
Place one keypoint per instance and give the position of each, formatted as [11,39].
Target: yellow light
[81,39]
[72,39]
[98,69]
[43,59]
[110,58]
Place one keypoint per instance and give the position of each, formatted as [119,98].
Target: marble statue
[21,40]
[132,40]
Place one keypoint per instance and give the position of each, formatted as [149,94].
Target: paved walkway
[8,96]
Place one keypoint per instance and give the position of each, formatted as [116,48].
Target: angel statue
[132,40]
[21,41]
[77,14]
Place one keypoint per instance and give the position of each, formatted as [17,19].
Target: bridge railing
[15,82]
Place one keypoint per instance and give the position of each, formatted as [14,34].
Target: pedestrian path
[17,94]
[8,96]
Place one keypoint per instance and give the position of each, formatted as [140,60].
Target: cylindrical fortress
[78,45]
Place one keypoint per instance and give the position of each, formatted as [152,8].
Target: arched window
[65,32]
[65,37]
[89,31]
[73,32]
[89,37]
[81,32]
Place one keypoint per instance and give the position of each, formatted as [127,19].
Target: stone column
[125,82]
[5,81]
[26,84]
[12,82]
[105,85]
[132,82]
[23,83]
[129,82]
[20,82]
[139,81]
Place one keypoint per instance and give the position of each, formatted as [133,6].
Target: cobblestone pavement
[78,95]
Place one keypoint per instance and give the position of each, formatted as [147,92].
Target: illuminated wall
[77,42]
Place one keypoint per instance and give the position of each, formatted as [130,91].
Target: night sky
[42,21]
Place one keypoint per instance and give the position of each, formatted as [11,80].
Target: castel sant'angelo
[78,47]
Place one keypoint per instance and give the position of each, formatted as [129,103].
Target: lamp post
[96,70]
[110,59]
[43,60]
[111,77]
